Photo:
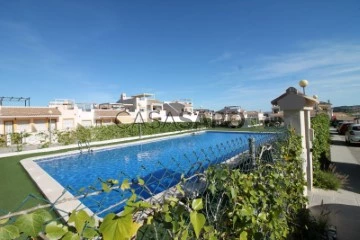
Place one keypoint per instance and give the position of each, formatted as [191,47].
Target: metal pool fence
[161,184]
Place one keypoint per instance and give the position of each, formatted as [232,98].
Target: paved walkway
[343,205]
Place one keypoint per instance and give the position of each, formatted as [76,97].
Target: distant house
[323,107]
[207,113]
[111,116]
[28,119]
[73,114]
[110,113]
[181,110]
[341,116]
[254,117]
[143,104]
[229,115]
[275,116]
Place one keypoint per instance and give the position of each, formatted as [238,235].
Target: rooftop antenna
[26,100]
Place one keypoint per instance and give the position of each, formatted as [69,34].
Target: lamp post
[50,112]
[303,83]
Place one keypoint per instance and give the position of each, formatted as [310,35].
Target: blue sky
[214,52]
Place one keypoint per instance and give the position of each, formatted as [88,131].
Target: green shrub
[83,134]
[66,137]
[2,140]
[323,177]
[17,138]
[321,144]
[108,132]
[327,180]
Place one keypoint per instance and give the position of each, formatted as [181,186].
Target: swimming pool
[159,163]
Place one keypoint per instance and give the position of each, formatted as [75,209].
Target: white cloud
[223,57]
[312,60]
[332,69]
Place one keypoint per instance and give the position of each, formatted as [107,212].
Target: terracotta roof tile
[28,111]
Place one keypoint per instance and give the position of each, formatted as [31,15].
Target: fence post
[296,107]
[252,150]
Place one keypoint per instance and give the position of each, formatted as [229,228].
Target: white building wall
[84,118]
[67,118]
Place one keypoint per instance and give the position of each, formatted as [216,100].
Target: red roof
[28,111]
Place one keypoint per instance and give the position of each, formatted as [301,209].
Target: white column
[296,120]
[308,139]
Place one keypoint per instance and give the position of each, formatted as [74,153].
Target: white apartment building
[27,119]
[181,111]
[89,114]
[143,106]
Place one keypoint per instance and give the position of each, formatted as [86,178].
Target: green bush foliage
[323,177]
[2,140]
[101,133]
[327,180]
[17,138]
[66,137]
[321,144]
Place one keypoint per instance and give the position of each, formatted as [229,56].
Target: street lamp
[50,112]
[303,83]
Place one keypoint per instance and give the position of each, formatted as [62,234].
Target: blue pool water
[159,163]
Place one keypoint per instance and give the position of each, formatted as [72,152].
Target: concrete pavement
[342,206]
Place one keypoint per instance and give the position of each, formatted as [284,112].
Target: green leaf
[113,181]
[197,204]
[105,187]
[141,204]
[243,235]
[55,231]
[91,222]
[247,211]
[118,228]
[168,217]
[173,199]
[141,182]
[89,233]
[127,211]
[262,216]
[79,218]
[3,221]
[31,224]
[209,228]
[71,236]
[233,192]
[184,234]
[198,221]
[179,188]
[149,220]
[125,185]
[212,188]
[9,232]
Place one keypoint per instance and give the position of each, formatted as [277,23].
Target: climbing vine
[321,144]
[324,176]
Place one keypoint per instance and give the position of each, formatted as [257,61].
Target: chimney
[123,96]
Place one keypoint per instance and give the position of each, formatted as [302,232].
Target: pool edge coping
[55,192]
